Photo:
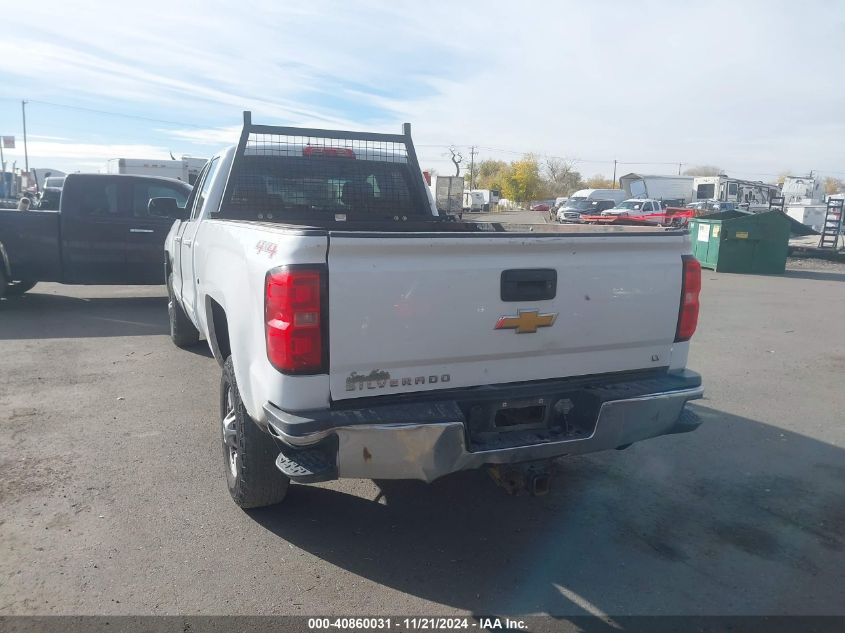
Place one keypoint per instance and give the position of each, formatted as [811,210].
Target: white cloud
[740,85]
[217,136]
[80,156]
[87,151]
[43,137]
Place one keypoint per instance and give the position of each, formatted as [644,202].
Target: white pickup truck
[636,208]
[360,335]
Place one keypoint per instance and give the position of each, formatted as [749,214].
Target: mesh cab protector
[315,177]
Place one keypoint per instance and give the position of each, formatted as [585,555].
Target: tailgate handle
[529,284]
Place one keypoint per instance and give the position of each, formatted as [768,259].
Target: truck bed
[31,242]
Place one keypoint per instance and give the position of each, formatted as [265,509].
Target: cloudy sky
[756,88]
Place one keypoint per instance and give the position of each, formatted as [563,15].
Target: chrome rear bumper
[437,446]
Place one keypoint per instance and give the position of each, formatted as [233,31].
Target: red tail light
[690,289]
[334,152]
[293,317]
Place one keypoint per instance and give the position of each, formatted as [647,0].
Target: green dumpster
[736,242]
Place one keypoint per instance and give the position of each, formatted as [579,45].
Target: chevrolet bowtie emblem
[526,321]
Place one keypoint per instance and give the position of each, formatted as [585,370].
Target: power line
[471,147]
[545,155]
[618,162]
[113,113]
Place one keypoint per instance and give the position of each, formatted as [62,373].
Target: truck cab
[104,232]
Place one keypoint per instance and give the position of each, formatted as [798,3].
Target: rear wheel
[249,454]
[182,331]
[17,288]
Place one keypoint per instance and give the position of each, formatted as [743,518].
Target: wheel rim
[230,433]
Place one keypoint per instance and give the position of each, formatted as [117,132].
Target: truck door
[177,246]
[145,238]
[94,225]
[188,231]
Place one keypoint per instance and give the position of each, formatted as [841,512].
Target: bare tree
[560,175]
[456,158]
[704,170]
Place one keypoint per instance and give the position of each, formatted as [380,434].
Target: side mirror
[166,208]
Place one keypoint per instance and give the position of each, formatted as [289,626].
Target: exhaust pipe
[517,479]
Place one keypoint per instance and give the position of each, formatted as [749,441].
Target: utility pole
[472,167]
[614,173]
[679,168]
[25,152]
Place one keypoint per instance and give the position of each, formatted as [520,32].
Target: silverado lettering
[381,379]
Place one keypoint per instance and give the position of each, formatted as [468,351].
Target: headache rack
[313,176]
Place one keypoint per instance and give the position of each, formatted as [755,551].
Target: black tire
[182,331]
[17,288]
[249,454]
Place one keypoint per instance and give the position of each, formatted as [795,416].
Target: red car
[542,206]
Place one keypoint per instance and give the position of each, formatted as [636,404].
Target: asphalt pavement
[113,498]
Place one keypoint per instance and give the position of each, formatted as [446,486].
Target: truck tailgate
[419,312]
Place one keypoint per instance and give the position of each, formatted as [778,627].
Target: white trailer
[812,215]
[806,189]
[474,201]
[669,188]
[491,196]
[754,195]
[486,200]
[448,192]
[185,169]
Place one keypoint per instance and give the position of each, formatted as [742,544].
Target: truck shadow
[40,316]
[739,517]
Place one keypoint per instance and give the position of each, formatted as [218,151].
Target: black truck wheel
[249,454]
[182,331]
[17,288]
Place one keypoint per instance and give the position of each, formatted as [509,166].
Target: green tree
[491,174]
[523,182]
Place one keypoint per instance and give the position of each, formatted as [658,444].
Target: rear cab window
[313,188]
[319,178]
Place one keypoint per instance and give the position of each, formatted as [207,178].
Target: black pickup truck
[105,232]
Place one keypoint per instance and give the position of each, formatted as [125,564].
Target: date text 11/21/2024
[416,624]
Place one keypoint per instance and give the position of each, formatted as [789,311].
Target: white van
[617,195]
[582,202]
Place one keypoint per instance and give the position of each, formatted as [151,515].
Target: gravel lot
[113,499]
